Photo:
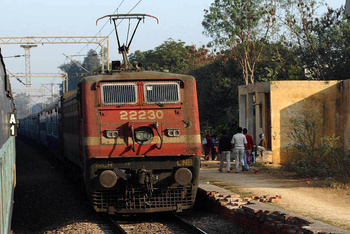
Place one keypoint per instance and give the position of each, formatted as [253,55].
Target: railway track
[164,223]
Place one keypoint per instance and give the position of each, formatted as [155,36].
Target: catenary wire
[120,21]
[100,29]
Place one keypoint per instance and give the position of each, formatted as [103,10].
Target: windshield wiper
[156,102]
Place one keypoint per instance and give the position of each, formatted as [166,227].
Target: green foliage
[312,154]
[92,61]
[74,73]
[332,46]
[217,88]
[279,63]
[230,22]
[321,43]
[242,27]
[170,55]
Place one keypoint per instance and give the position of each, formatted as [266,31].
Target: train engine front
[140,141]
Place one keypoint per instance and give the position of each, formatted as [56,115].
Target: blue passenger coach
[44,127]
[7,150]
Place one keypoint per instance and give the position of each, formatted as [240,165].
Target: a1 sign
[13,124]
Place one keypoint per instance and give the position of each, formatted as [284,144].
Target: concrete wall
[329,101]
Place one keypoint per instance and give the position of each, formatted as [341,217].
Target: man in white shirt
[238,144]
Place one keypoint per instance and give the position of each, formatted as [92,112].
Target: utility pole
[53,92]
[27,63]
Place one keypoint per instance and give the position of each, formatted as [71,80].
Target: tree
[170,55]
[74,73]
[22,104]
[199,57]
[217,88]
[92,61]
[241,27]
[279,62]
[323,43]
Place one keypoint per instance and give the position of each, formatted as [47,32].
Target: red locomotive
[135,137]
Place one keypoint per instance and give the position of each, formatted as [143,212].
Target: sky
[179,20]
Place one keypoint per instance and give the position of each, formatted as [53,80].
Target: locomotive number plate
[141,115]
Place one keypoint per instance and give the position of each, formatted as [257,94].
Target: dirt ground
[323,200]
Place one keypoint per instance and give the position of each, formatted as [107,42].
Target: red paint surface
[97,118]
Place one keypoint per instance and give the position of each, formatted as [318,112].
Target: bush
[313,155]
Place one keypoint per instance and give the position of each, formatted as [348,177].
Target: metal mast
[27,63]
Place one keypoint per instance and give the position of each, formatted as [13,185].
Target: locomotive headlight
[143,135]
[183,176]
[112,134]
[173,132]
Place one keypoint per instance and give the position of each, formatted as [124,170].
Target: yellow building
[268,107]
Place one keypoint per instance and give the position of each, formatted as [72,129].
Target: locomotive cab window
[118,93]
[166,92]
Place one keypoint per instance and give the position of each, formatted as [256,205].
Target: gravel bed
[212,223]
[46,202]
[152,227]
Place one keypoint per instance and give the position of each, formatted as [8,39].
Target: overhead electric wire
[16,77]
[124,17]
[120,21]
[99,30]
[77,54]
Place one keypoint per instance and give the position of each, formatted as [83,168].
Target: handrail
[133,138]
[156,125]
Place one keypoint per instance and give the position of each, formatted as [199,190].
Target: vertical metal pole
[52,92]
[64,82]
[27,66]
[108,53]
[67,85]
[43,97]
[103,57]
[103,53]
[27,63]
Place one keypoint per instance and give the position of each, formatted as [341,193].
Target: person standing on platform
[225,150]
[214,146]
[207,144]
[248,150]
[238,144]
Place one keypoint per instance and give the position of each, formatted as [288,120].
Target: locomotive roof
[144,75]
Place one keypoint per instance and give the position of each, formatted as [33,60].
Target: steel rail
[188,225]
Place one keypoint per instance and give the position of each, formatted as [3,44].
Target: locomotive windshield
[162,92]
[119,93]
